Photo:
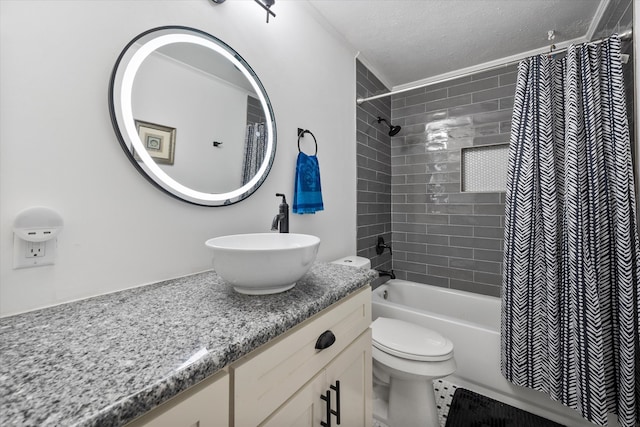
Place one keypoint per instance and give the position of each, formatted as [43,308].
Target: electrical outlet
[35,249]
[33,254]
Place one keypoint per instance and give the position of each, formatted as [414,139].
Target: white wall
[58,149]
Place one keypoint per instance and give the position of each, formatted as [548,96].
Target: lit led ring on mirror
[126,116]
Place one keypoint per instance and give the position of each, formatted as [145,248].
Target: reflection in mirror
[192,116]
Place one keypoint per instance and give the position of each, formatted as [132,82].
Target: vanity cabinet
[286,378]
[204,405]
[288,381]
[345,383]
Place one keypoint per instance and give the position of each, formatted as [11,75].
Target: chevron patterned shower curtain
[571,290]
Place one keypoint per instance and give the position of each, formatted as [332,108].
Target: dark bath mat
[469,409]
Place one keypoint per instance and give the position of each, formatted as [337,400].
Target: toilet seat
[410,341]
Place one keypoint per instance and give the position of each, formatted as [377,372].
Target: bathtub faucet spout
[390,273]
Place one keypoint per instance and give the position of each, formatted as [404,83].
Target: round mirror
[192,116]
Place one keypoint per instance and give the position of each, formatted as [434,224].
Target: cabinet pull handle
[336,388]
[325,340]
[327,399]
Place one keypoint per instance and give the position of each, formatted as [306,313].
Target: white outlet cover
[21,260]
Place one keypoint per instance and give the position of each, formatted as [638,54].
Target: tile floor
[444,391]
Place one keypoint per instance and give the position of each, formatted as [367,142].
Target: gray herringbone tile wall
[373,169]
[442,236]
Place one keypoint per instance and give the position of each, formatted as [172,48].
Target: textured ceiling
[406,41]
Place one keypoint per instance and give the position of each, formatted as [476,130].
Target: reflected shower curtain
[570,294]
[254,150]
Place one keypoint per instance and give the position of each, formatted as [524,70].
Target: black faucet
[381,246]
[281,221]
[389,273]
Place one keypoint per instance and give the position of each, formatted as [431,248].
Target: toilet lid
[410,341]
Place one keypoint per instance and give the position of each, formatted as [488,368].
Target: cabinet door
[203,405]
[353,369]
[303,409]
[265,379]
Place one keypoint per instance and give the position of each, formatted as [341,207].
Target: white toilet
[407,358]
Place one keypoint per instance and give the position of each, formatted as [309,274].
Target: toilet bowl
[406,359]
[409,357]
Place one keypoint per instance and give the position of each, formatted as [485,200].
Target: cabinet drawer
[265,380]
[205,405]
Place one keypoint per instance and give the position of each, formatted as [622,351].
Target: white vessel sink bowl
[263,263]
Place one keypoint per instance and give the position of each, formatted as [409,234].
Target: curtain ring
[301,135]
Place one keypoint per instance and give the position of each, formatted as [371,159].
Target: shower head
[393,130]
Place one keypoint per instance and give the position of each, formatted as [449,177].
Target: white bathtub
[472,323]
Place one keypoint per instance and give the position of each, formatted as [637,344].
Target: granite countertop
[104,361]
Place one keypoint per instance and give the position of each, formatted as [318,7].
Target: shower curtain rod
[626,35]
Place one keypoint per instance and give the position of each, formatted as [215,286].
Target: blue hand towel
[307,197]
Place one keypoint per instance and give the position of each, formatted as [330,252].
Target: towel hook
[301,133]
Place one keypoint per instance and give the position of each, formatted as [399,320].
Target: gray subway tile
[409,188]
[451,273]
[506,103]
[474,86]
[409,266]
[491,232]
[366,196]
[490,139]
[449,251]
[475,242]
[423,118]
[474,198]
[470,109]
[443,167]
[443,188]
[409,227]
[428,259]
[487,255]
[449,208]
[408,93]
[482,220]
[442,104]
[417,198]
[492,117]
[489,209]
[419,248]
[397,103]
[417,178]
[416,238]
[429,219]
[476,265]
[487,278]
[450,230]
[398,179]
[409,208]
[496,93]
[508,78]
[426,97]
[407,150]
[409,111]
[442,156]
[437,239]
[398,160]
